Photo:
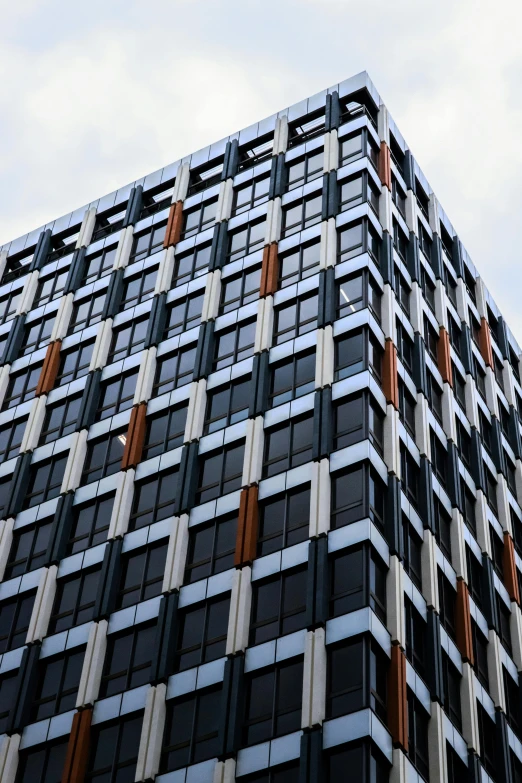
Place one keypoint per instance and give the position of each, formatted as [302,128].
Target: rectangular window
[404,347]
[9,306]
[307,128]
[439,457]
[447,600]
[400,241]
[205,176]
[451,678]
[355,352]
[116,395]
[410,475]
[28,548]
[190,265]
[358,190]
[21,386]
[114,749]
[357,579]
[278,606]
[142,573]
[45,480]
[434,396]
[245,240]
[425,243]
[42,763]
[86,313]
[11,436]
[199,218]
[165,431]
[292,378]
[415,637]
[298,264]
[295,318]
[8,698]
[60,419]
[402,292]
[211,548]
[491,491]
[109,222]
[37,334]
[157,199]
[443,527]
[357,292]
[301,215]
[174,370]
[487,740]
[128,659]
[103,457]
[202,633]
[234,345]
[428,289]
[191,730]
[407,403]
[431,339]
[283,520]
[412,543]
[504,616]
[474,568]
[99,264]
[147,242]
[468,510]
[273,702]
[74,363]
[90,524]
[227,405]
[356,418]
[480,654]
[154,499]
[355,239]
[240,290]
[138,289]
[356,678]
[398,196]
[250,195]
[357,493]
[305,169]
[418,735]
[57,686]
[74,600]
[512,694]
[15,616]
[128,339]
[288,445]
[183,314]
[220,472]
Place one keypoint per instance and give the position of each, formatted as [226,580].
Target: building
[261,475]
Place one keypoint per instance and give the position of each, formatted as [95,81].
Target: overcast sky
[94,95]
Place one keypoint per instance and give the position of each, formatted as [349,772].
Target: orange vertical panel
[135,437]
[49,369]
[76,758]
[444,356]
[510,569]
[463,622]
[485,342]
[174,224]
[397,699]
[390,381]
[385,165]
[241,525]
[273,269]
[251,525]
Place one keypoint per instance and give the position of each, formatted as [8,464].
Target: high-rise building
[261,475]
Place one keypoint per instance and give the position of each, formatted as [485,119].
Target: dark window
[28,549]
[234,345]
[9,305]
[516,524]
[284,773]
[199,218]
[498,370]
[288,445]
[407,403]
[512,694]
[308,128]
[90,524]
[404,346]
[463,443]
[356,678]
[434,397]
[350,421]
[480,379]
[240,290]
[202,633]
[474,569]
[474,327]
[516,768]
[418,735]
[128,659]
[302,214]
[400,241]
[457,770]
[510,474]
[398,196]
[191,731]
[428,289]
[357,190]
[86,313]
[491,491]
[15,616]
[422,199]
[248,238]
[5,485]
[278,606]
[138,289]
[402,292]
[103,457]
[356,239]
[114,750]
[468,509]
[211,548]
[487,740]
[45,480]
[227,405]
[443,527]
[165,431]
[74,600]
[291,378]
[60,419]
[298,264]
[22,386]
[480,654]
[116,395]
[74,363]
[154,499]
[397,155]
[410,476]
[191,265]
[447,600]
[352,147]
[412,543]
[147,242]
[357,493]
[486,431]
[439,457]
[355,352]
[220,472]
[273,702]
[357,292]
[357,579]
[48,289]
[37,334]
[98,265]
[415,637]
[42,764]
[57,687]
[455,336]
[283,520]
[109,222]
[504,615]
[294,318]
[451,678]
[174,370]
[255,152]
[431,338]
[250,195]
[183,314]
[8,697]
[425,244]
[305,169]
[205,177]
[497,552]
[11,436]
[157,199]
[128,339]
[360,761]
[142,573]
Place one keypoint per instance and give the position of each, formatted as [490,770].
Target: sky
[95,95]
